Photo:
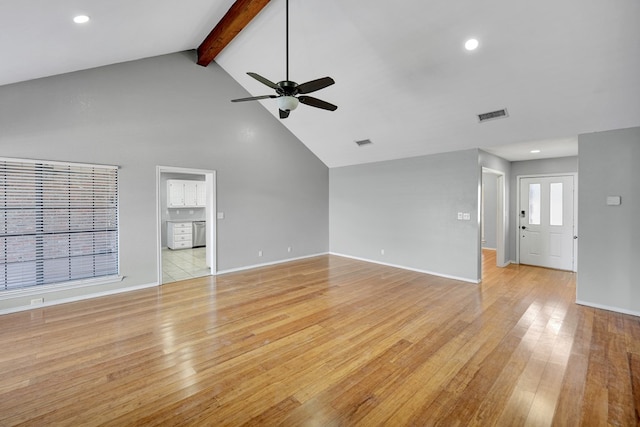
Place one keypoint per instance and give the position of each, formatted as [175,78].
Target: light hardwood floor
[326,341]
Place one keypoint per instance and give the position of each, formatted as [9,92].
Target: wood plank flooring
[326,341]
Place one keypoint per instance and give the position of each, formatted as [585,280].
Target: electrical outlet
[289,249]
[466,216]
[381,251]
[459,216]
[259,253]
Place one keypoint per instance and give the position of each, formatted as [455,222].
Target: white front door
[546,226]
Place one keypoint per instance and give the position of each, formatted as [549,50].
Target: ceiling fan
[289,93]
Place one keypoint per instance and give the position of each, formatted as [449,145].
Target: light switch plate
[466,216]
[220,215]
[459,216]
[613,200]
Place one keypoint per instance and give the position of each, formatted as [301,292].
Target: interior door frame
[210,215]
[502,215]
[575,212]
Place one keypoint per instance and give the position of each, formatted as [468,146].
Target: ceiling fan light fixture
[287,103]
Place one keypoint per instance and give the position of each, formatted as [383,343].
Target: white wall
[608,236]
[409,208]
[169,111]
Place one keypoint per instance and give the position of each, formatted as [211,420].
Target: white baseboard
[432,273]
[608,308]
[77,298]
[265,264]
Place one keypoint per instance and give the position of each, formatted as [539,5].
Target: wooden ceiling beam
[236,18]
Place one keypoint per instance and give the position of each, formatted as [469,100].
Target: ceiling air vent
[498,114]
[363,142]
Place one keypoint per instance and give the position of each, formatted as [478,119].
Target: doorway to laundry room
[186,225]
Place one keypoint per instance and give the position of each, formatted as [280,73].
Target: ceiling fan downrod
[287,42]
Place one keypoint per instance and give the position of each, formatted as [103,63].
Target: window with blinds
[58,222]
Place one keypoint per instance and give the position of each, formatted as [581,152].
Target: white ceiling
[403,78]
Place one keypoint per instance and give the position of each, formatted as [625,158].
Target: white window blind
[58,222]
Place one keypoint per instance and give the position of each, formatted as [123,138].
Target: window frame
[72,283]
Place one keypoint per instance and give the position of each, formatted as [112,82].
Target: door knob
[524,227]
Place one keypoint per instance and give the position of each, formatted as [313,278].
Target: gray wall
[609,240]
[533,167]
[169,111]
[409,208]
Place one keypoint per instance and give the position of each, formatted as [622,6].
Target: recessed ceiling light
[534,151]
[471,44]
[81,19]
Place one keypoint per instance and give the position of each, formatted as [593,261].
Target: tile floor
[183,264]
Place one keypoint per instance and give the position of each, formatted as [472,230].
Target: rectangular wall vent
[492,115]
[364,142]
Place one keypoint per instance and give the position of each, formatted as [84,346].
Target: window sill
[57,287]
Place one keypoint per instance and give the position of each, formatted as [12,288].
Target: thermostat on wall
[613,200]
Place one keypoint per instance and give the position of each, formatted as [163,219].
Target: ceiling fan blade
[284,114]
[315,85]
[254,98]
[318,103]
[264,81]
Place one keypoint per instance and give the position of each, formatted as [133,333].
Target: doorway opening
[493,218]
[186,206]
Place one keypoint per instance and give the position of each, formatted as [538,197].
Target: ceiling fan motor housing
[287,88]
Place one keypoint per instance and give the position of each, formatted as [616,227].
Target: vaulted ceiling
[403,77]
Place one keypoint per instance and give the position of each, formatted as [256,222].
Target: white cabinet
[201,194]
[175,194]
[179,235]
[186,194]
[190,194]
